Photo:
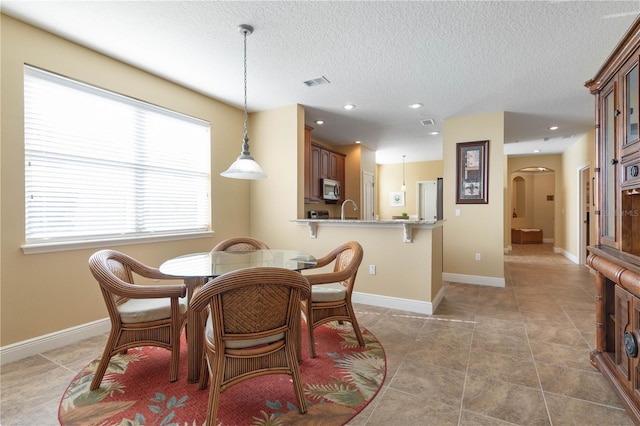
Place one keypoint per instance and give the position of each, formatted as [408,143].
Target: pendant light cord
[245,167]
[245,87]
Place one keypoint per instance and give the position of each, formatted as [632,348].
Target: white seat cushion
[143,310]
[332,292]
[242,344]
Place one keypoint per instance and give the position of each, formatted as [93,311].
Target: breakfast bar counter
[407,225]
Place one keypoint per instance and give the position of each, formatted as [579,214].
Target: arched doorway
[532,200]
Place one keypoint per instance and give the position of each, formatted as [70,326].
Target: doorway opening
[532,200]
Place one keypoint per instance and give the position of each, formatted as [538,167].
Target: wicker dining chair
[240,244]
[249,331]
[141,315]
[331,291]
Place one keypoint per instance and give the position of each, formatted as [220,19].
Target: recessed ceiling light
[553,128]
[434,133]
[319,122]
[349,106]
[356,141]
[536,150]
[416,106]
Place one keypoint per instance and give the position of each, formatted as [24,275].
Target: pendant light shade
[404,186]
[245,167]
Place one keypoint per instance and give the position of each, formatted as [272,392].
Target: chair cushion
[242,344]
[332,292]
[144,310]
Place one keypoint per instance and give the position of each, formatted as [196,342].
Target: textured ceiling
[528,58]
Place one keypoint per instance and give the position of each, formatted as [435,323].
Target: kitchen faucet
[345,202]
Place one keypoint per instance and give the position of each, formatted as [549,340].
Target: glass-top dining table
[197,268]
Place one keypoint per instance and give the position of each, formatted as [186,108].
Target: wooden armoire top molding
[619,56]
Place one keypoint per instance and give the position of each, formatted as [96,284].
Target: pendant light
[403,187]
[245,167]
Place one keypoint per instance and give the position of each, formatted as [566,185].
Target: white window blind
[101,166]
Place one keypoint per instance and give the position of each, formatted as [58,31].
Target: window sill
[79,245]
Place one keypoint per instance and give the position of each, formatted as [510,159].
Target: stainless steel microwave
[330,189]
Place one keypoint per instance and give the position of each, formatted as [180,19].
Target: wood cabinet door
[307,162]
[636,360]
[340,160]
[325,163]
[608,164]
[316,183]
[624,323]
[333,166]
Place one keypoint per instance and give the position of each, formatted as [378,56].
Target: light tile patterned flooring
[517,355]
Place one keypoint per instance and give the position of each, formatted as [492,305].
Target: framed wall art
[397,199]
[472,172]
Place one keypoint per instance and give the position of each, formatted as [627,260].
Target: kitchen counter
[406,224]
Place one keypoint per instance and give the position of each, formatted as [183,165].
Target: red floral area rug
[338,384]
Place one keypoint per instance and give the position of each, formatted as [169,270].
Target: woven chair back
[254,302]
[240,244]
[343,262]
[255,309]
[120,270]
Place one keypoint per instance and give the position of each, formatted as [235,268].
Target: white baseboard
[566,254]
[417,306]
[473,279]
[47,342]
[17,351]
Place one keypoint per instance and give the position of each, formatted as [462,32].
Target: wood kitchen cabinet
[335,169]
[321,163]
[315,172]
[616,253]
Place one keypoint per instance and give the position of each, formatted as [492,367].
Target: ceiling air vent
[317,81]
[428,122]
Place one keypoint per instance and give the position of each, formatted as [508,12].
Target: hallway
[497,356]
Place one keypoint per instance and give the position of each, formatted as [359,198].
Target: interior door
[427,204]
[368,197]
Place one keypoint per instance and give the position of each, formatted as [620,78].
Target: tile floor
[489,356]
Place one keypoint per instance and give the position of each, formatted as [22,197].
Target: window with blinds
[102,166]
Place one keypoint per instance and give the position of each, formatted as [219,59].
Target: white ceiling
[528,58]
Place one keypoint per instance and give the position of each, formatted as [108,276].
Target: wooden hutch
[616,255]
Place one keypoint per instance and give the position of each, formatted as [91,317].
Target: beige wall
[544,214]
[43,293]
[580,155]
[403,270]
[479,228]
[389,179]
[274,201]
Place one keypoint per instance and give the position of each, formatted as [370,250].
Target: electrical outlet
[477,256]
[372,269]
